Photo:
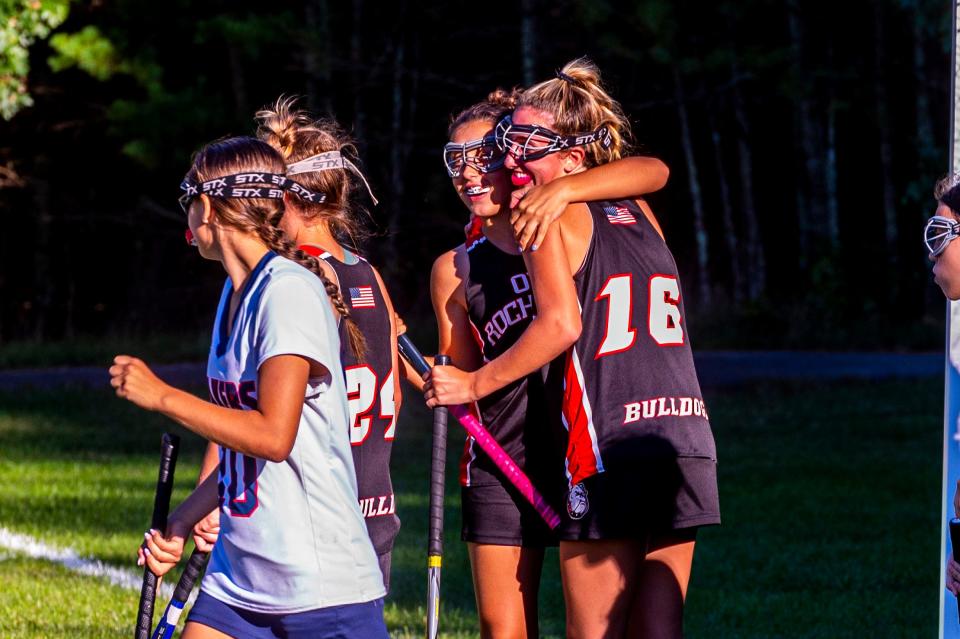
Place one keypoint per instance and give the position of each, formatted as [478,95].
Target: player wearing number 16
[640,459]
[293,558]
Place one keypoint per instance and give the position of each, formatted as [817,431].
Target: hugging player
[483,302]
[639,461]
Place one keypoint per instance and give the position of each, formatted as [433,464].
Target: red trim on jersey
[473,230]
[478,338]
[581,459]
[311,249]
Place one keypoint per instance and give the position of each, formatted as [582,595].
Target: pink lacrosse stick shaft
[503,461]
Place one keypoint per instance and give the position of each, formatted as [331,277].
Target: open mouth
[188,236]
[476,191]
[520,178]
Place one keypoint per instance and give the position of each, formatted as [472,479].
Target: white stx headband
[326,162]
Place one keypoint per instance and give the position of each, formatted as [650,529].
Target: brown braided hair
[260,215]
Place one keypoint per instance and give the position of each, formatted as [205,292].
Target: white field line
[69,558]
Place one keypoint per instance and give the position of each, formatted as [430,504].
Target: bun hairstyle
[499,103]
[297,135]
[947,191]
[261,216]
[578,102]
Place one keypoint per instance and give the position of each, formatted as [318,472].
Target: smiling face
[946,266]
[484,194]
[545,169]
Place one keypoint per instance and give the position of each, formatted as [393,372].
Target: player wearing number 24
[638,489]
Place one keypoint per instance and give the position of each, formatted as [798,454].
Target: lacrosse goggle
[938,233]
[528,142]
[482,155]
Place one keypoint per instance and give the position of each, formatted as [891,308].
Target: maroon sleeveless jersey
[630,388]
[370,394]
[500,305]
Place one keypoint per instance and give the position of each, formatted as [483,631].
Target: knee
[504,626]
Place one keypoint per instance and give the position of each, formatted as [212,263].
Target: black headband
[250,186]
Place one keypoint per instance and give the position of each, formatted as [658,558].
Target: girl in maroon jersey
[481,296]
[318,153]
[640,460]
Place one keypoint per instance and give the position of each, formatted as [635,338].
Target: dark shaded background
[803,138]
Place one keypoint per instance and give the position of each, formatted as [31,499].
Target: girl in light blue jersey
[293,558]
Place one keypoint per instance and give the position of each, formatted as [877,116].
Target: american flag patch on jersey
[361,297]
[619,215]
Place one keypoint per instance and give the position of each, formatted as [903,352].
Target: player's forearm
[211,459]
[201,501]
[546,337]
[633,176]
[245,431]
[411,375]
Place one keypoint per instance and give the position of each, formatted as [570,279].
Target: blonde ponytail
[578,102]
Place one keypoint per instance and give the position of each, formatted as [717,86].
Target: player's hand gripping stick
[168,622]
[955,542]
[438,464]
[169,448]
[486,442]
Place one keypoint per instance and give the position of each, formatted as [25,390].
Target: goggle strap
[558,142]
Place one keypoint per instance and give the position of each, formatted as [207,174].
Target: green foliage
[88,50]
[22,22]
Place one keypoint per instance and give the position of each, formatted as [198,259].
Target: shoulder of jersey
[283,267]
[475,242]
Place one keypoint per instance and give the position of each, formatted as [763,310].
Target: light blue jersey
[291,534]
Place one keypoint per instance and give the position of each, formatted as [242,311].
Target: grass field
[830,497]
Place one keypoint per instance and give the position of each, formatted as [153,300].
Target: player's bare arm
[455,336]
[555,327]
[206,531]
[536,207]
[398,367]
[268,432]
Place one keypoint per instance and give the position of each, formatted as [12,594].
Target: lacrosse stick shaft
[486,442]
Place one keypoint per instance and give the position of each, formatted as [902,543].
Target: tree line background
[803,138]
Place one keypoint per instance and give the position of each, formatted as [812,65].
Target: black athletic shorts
[655,496]
[498,515]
